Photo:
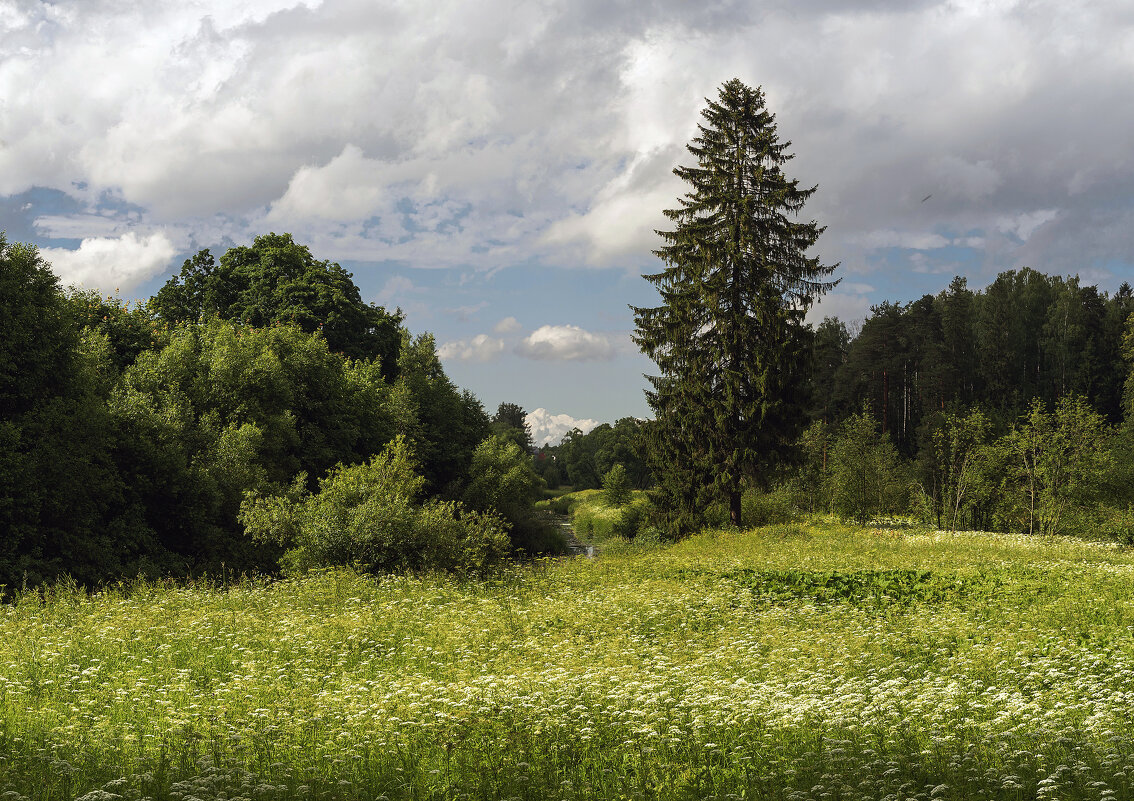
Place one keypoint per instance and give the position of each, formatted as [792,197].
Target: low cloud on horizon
[549,429]
[550,343]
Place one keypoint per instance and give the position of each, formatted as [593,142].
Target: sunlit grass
[594,520]
[731,665]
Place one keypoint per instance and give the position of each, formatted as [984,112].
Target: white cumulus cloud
[495,134]
[549,429]
[565,343]
[112,263]
[481,348]
[507,326]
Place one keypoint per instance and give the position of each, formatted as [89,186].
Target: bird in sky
[927,197]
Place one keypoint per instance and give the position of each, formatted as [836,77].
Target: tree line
[256,409]
[1010,408]
[1026,336]
[1007,408]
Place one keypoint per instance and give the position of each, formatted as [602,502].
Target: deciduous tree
[277,280]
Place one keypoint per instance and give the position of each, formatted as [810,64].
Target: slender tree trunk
[885,398]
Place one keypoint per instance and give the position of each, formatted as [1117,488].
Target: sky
[497,170]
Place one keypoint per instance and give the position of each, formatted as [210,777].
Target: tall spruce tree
[729,338]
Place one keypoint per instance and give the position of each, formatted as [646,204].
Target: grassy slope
[797,662]
[591,517]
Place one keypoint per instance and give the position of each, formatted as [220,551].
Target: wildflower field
[796,662]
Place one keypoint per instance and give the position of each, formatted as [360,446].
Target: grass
[593,519]
[796,662]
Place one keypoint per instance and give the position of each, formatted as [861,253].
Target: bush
[1119,523]
[616,486]
[367,515]
[594,518]
[633,519]
[864,470]
[769,508]
[504,481]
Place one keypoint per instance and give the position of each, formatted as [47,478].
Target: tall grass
[803,661]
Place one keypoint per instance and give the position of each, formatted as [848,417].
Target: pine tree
[728,338]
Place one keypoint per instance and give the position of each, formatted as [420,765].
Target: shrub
[503,480]
[632,520]
[864,470]
[775,507]
[616,486]
[1119,523]
[368,515]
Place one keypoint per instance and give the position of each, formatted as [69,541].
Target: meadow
[803,662]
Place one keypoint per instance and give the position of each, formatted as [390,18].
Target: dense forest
[1005,408]
[1026,336]
[257,413]
[254,395]
[1009,408]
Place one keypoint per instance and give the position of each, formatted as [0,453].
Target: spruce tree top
[741,199]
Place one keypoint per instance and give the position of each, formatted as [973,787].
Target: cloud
[850,303]
[1023,225]
[549,429]
[507,326]
[565,343]
[396,286]
[481,348]
[102,263]
[910,240]
[486,136]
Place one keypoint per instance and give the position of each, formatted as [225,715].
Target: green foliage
[596,521]
[222,410]
[772,507]
[130,435]
[129,330]
[561,505]
[812,477]
[633,518]
[586,458]
[511,421]
[1128,356]
[502,479]
[873,590]
[370,515]
[729,339]
[276,280]
[1055,466]
[443,424]
[38,338]
[864,474]
[960,469]
[616,486]
[62,501]
[1118,524]
[548,471]
[1026,336]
